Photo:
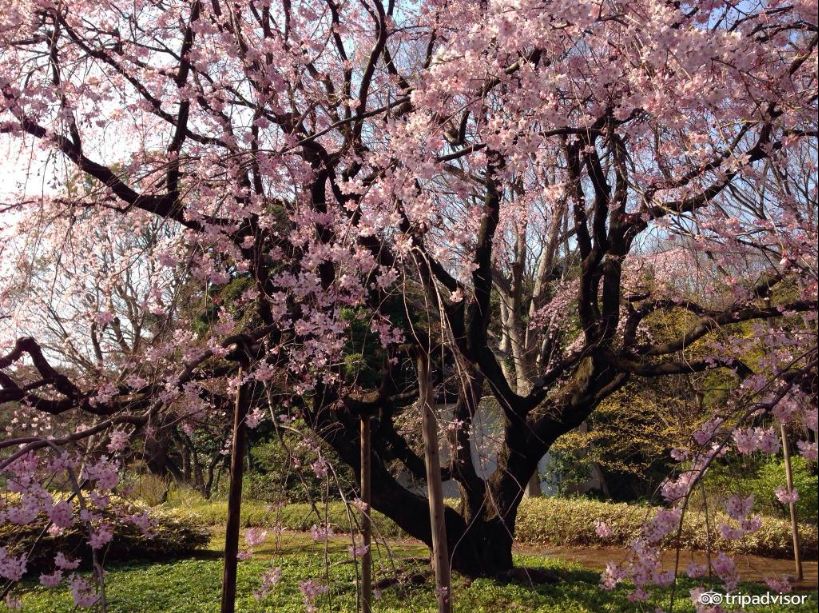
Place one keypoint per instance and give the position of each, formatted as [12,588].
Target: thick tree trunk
[479,537]
[485,550]
[480,544]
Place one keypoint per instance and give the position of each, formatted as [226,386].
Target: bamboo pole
[366,525]
[237,456]
[435,493]
[797,555]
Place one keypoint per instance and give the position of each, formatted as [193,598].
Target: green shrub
[761,477]
[298,516]
[571,521]
[174,533]
[556,521]
[146,487]
[273,477]
[771,475]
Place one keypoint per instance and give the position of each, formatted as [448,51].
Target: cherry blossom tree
[515,189]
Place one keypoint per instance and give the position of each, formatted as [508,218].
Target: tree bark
[533,485]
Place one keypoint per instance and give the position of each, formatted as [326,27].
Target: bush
[298,517]
[175,533]
[761,477]
[556,521]
[772,475]
[571,521]
[146,487]
[274,478]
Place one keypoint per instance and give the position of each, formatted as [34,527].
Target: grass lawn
[193,585]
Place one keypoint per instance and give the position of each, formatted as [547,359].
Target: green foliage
[174,533]
[761,477]
[628,437]
[206,307]
[571,521]
[363,354]
[299,517]
[546,520]
[146,487]
[193,586]
[274,478]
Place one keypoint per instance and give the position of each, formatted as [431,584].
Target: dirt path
[753,568]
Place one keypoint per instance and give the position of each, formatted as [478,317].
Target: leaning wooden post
[435,493]
[237,456]
[366,526]
[797,555]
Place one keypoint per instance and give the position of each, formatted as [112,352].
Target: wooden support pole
[237,456]
[435,493]
[797,555]
[366,525]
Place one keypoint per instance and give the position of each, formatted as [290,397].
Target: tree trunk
[198,480]
[479,537]
[207,488]
[485,550]
[533,486]
[186,463]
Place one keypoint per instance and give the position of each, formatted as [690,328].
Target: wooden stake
[435,493]
[366,526]
[797,555]
[237,456]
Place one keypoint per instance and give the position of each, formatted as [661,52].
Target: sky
[21,169]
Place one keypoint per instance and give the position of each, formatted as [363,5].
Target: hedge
[174,533]
[298,516]
[546,521]
[571,521]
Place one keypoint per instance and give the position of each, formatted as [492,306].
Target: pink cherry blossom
[101,536]
[61,514]
[785,496]
[52,580]
[602,529]
[64,563]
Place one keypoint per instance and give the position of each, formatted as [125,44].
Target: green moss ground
[193,585]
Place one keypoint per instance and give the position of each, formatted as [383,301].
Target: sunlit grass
[193,585]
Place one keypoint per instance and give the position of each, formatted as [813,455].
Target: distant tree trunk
[533,489]
[198,481]
[156,453]
[186,463]
[207,489]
